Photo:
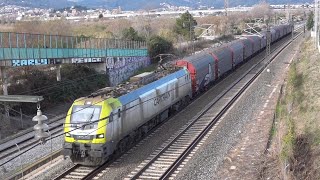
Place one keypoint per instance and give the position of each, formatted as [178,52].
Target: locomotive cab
[87,136]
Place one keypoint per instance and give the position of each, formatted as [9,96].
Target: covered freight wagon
[202,68]
[223,57]
[248,48]
[237,48]
[256,40]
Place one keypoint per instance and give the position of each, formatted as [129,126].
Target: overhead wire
[77,79]
[100,119]
[87,123]
[121,111]
[15,110]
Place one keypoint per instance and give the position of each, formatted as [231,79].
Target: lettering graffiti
[85,60]
[120,69]
[29,62]
[161,98]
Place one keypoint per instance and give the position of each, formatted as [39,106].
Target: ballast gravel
[29,157]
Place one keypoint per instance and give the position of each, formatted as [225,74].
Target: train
[98,126]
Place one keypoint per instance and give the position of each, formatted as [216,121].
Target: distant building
[116,11]
[74,12]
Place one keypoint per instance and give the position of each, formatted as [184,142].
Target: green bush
[131,35]
[158,45]
[310,21]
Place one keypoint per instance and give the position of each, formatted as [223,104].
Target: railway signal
[40,127]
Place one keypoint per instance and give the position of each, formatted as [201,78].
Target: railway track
[165,162]
[75,172]
[82,172]
[32,167]
[26,140]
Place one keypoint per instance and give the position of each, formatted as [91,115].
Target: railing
[25,46]
[27,40]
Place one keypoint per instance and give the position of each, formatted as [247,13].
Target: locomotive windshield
[85,115]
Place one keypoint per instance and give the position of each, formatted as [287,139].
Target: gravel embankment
[206,161]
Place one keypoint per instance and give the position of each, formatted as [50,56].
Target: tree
[168,34]
[131,35]
[158,45]
[310,21]
[185,25]
[261,10]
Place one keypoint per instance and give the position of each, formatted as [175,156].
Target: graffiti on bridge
[86,60]
[120,69]
[34,62]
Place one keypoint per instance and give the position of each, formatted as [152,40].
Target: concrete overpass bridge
[119,58]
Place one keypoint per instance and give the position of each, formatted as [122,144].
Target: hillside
[295,136]
[137,4]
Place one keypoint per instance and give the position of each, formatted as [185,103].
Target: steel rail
[182,156]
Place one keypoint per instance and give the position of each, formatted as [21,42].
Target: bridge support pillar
[58,72]
[4,79]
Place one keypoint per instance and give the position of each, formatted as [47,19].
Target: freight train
[98,126]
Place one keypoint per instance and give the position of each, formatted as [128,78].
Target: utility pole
[316,21]
[288,13]
[4,78]
[190,30]
[268,48]
[226,5]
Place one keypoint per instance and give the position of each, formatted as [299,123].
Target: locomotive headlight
[68,135]
[99,136]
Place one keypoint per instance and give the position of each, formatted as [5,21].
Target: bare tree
[260,10]
[58,27]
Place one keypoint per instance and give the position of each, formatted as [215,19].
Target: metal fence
[27,40]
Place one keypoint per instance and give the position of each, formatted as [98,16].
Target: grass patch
[298,128]
[288,140]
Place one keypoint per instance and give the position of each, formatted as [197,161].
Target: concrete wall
[120,69]
[117,68]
